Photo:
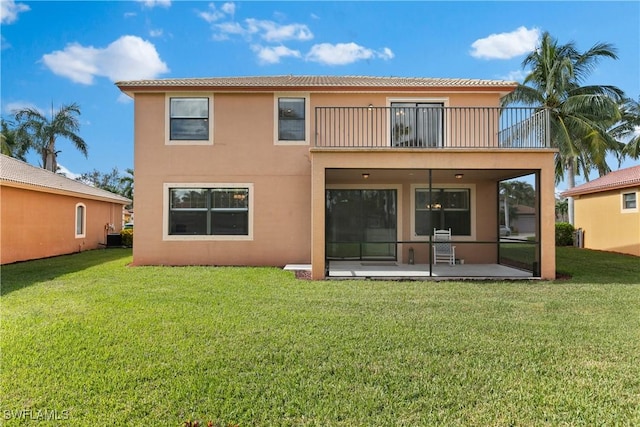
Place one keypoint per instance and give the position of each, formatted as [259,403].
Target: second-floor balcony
[431,126]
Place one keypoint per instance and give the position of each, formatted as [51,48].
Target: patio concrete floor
[394,271]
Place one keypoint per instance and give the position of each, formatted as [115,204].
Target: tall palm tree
[579,115]
[42,132]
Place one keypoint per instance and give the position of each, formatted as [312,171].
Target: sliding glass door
[361,224]
[416,124]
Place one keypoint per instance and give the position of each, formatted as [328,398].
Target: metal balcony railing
[431,127]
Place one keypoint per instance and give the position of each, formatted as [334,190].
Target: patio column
[318,172]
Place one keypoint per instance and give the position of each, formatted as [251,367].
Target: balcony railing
[431,127]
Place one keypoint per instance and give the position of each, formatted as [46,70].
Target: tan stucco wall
[36,224]
[606,227]
[243,152]
[287,187]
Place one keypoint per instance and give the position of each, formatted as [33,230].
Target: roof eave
[43,189]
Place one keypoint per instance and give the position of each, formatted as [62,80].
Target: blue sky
[55,53]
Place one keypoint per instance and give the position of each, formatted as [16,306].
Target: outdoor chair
[443,251]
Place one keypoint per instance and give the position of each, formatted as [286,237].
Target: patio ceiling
[381,176]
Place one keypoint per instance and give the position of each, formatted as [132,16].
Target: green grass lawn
[88,341]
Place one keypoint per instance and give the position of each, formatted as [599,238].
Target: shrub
[564,234]
[127,237]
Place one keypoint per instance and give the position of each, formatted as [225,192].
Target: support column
[318,258]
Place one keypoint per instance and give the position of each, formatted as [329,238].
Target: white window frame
[307,117]
[165,211]
[445,103]
[623,209]
[472,210]
[83,232]
[167,115]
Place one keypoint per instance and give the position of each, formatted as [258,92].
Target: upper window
[189,119]
[209,211]
[442,208]
[629,201]
[292,125]
[417,124]
[291,119]
[81,218]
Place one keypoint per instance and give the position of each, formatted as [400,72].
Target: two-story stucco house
[344,174]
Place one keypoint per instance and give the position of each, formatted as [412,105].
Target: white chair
[443,251]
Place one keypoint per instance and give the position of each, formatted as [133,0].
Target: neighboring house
[606,209]
[524,221]
[44,214]
[321,169]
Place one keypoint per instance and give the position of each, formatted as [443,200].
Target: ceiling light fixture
[365,175]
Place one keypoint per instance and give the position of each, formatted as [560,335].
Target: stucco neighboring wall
[37,224]
[606,227]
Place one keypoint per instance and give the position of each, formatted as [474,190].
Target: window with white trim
[189,119]
[629,201]
[81,220]
[214,211]
[442,208]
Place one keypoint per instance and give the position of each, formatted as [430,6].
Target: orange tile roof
[623,178]
[16,173]
[317,83]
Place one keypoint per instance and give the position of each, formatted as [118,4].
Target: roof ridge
[621,178]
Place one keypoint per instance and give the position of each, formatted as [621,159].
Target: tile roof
[14,172]
[623,178]
[318,82]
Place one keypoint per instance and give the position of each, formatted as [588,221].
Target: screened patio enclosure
[386,217]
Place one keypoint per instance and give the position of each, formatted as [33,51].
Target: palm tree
[579,115]
[10,142]
[126,183]
[42,132]
[514,193]
[629,127]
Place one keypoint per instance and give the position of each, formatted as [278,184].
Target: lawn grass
[90,341]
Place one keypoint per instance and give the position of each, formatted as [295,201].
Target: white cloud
[214,14]
[229,8]
[154,3]
[516,76]
[9,11]
[272,55]
[4,44]
[267,30]
[66,172]
[128,58]
[344,53]
[155,33]
[12,107]
[506,45]
[273,32]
